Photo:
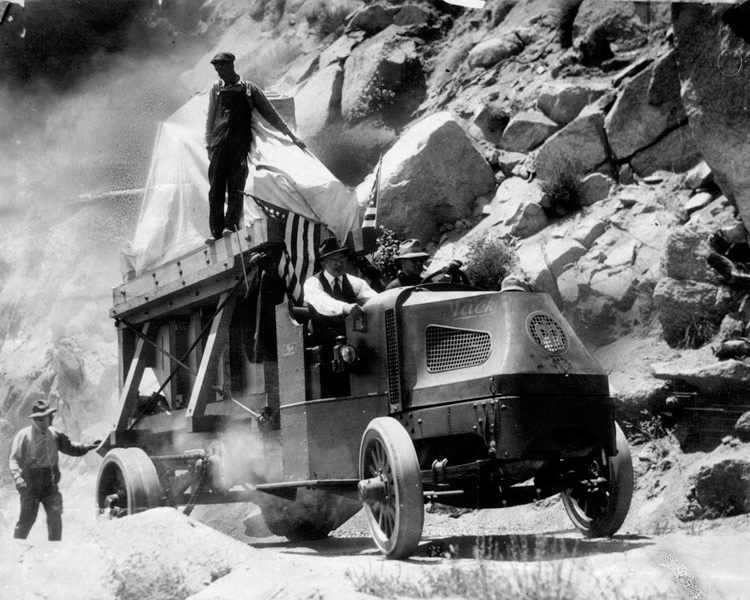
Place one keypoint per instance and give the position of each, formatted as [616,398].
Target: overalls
[228,170]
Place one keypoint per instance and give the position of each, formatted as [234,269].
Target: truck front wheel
[127,483]
[391,487]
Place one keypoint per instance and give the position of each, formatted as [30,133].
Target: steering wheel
[453,270]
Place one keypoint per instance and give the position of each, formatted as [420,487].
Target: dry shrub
[562,192]
[489,261]
[535,577]
[328,17]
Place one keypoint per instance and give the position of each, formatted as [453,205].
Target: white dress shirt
[317,297]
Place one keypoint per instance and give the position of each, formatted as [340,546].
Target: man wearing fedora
[33,463]
[332,292]
[231,103]
[333,295]
[410,260]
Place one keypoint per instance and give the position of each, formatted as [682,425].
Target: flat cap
[226,57]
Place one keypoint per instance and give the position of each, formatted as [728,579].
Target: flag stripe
[371,212]
[301,241]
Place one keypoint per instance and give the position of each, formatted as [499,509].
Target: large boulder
[685,254]
[719,486]
[690,311]
[383,75]
[676,152]
[648,107]
[625,25]
[526,130]
[371,19]
[563,102]
[431,176]
[491,51]
[580,146]
[712,63]
[702,371]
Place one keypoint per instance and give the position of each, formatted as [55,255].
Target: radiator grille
[449,348]
[392,353]
[546,332]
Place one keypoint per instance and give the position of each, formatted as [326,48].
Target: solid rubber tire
[621,493]
[142,487]
[407,485]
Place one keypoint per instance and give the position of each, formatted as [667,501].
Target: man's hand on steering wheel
[453,270]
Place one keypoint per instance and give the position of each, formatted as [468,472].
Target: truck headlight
[348,354]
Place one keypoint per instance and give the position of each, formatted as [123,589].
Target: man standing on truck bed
[33,464]
[228,139]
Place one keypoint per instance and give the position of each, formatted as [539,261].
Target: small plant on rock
[489,261]
[562,192]
[384,257]
[698,332]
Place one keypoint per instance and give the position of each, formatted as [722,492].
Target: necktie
[337,289]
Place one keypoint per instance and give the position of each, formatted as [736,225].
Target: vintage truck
[457,395]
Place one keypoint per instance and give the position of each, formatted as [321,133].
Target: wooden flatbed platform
[193,278]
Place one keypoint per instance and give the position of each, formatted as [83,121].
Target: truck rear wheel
[127,483]
[391,487]
[602,513]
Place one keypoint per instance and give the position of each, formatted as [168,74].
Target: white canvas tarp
[174,214]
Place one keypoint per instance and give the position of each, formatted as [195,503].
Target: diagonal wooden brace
[203,387]
[129,393]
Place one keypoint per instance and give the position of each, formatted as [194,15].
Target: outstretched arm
[65,446]
[269,113]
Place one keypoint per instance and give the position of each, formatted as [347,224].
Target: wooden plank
[197,265]
[291,361]
[212,352]
[129,393]
[195,326]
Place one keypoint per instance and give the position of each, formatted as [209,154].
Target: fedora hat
[41,408]
[329,247]
[411,249]
[223,57]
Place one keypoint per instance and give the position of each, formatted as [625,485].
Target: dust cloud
[85,85]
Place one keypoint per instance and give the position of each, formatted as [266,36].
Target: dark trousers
[227,174]
[40,489]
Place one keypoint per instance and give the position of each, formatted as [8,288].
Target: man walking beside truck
[33,463]
[231,103]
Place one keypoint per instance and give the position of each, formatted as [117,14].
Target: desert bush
[562,192]
[489,261]
[698,332]
[328,17]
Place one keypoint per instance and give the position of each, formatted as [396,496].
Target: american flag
[301,242]
[371,212]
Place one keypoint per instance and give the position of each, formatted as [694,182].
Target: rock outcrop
[720,487]
[712,64]
[383,75]
[580,146]
[429,177]
[648,107]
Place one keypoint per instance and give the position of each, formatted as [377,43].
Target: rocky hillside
[477,114]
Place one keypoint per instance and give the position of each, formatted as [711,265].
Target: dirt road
[163,555]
